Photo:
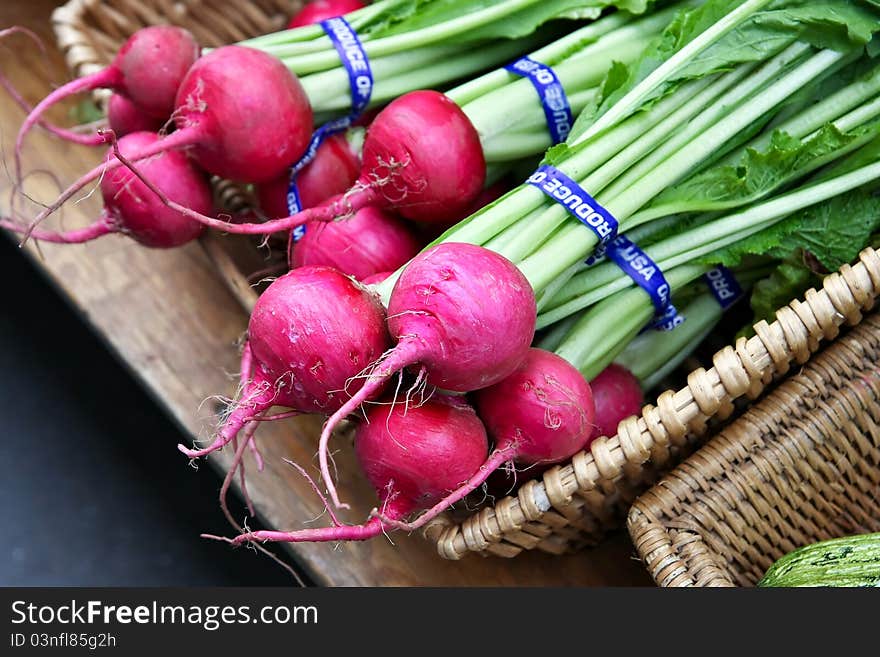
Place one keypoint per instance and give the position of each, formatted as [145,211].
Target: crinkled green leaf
[410,15]
[759,173]
[788,281]
[841,24]
[832,232]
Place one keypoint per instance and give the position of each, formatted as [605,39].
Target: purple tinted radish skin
[319,10]
[242,114]
[372,241]
[125,117]
[541,414]
[333,170]
[422,159]
[311,333]
[148,69]
[412,455]
[130,208]
[618,395]
[463,313]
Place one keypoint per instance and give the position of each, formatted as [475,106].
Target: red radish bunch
[319,10]
[242,114]
[412,455]
[540,414]
[132,209]
[147,70]
[618,395]
[462,314]
[311,333]
[422,158]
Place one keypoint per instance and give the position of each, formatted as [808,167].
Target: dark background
[93,490]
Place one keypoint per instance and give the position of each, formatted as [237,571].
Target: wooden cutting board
[170,319]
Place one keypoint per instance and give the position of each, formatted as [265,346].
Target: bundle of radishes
[698,171]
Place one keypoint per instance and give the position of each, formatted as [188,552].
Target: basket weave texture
[89,32]
[801,466]
[577,503]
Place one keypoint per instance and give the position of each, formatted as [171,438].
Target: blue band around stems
[579,204]
[553,99]
[639,266]
[723,285]
[360,79]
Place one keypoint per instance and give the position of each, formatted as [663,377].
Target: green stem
[759,78]
[549,54]
[654,354]
[606,328]
[457,28]
[573,242]
[632,100]
[606,279]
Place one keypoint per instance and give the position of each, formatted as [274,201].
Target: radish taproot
[421,158]
[147,69]
[132,209]
[461,313]
[541,414]
[310,335]
[372,241]
[240,112]
[412,455]
[319,10]
[618,395]
[124,117]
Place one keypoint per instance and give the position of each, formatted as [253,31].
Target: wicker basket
[801,466]
[574,504]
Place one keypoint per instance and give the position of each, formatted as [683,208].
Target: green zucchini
[847,561]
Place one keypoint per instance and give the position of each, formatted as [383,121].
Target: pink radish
[422,158]
[311,333]
[464,314]
[132,209]
[618,395]
[125,117]
[541,414]
[412,455]
[371,241]
[148,70]
[319,10]
[334,169]
[243,115]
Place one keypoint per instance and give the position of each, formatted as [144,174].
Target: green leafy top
[403,16]
[838,24]
[807,244]
[758,173]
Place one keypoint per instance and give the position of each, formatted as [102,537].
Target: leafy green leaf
[759,173]
[832,232]
[841,24]
[409,15]
[788,281]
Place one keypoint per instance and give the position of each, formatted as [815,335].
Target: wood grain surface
[170,319]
